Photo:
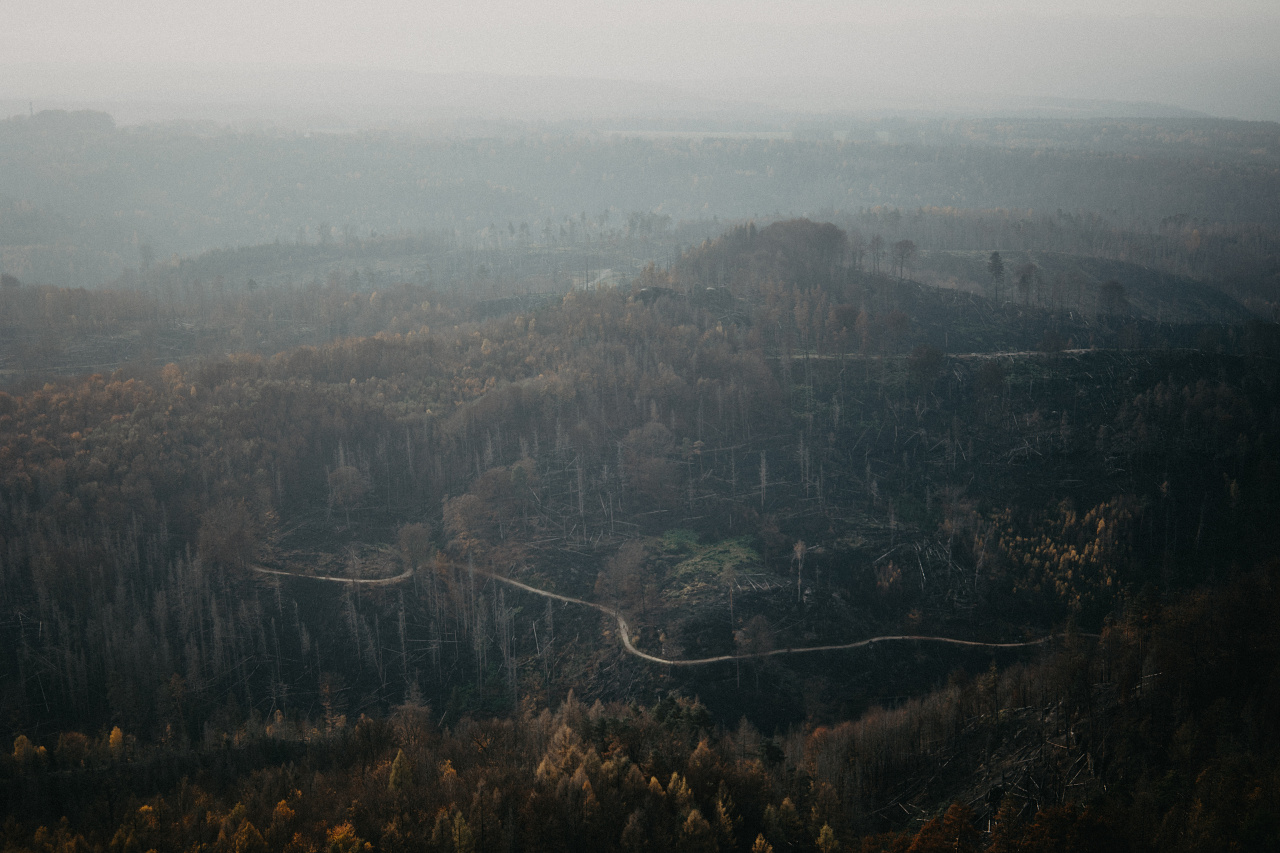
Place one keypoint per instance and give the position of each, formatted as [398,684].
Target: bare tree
[347,485]
[995,268]
[798,552]
[1026,277]
[857,248]
[903,251]
[764,477]
[1112,301]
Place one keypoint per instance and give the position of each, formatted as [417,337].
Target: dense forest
[945,524]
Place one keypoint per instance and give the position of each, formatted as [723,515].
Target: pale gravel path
[403,576]
[624,631]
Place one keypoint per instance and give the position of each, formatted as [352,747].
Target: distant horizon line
[541,96]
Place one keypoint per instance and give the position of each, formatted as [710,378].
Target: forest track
[624,628]
[971,356]
[403,576]
[624,631]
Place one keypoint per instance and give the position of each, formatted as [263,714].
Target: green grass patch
[707,565]
[679,541]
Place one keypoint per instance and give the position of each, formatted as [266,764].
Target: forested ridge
[83,200]
[782,440]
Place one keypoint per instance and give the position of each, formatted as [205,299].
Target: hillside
[1074,282]
[263,562]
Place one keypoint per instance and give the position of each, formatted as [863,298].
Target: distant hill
[1074,281]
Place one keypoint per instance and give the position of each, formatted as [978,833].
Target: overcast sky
[856,51]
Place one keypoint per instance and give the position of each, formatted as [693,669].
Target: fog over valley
[622,427]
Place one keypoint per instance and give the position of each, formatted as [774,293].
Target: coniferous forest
[465,518]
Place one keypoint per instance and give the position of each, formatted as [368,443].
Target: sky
[811,54]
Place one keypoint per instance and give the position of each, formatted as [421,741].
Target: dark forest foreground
[780,442]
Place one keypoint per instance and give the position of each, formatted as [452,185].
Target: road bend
[624,631]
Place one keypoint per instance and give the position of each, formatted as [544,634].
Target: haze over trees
[313,537]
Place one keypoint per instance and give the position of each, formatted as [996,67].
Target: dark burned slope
[808,454]
[794,458]
[833,451]
[1146,740]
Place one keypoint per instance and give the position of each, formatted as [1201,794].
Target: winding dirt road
[403,576]
[624,631]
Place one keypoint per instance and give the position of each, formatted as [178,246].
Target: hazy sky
[1173,51]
